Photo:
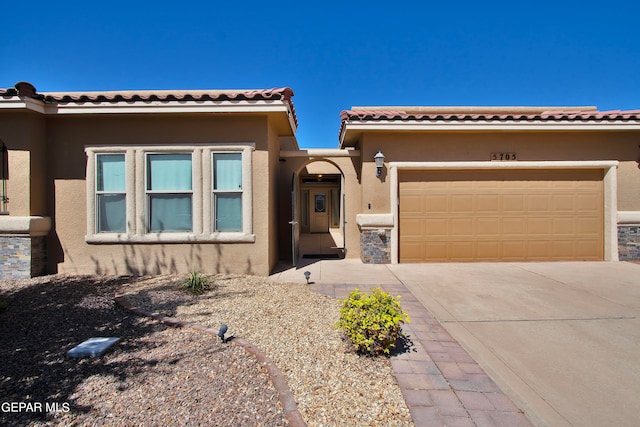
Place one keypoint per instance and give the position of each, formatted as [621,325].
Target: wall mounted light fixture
[379,158]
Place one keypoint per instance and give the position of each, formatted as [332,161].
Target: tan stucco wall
[19,183]
[628,186]
[529,146]
[24,135]
[70,252]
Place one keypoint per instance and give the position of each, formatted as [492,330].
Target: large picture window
[169,192]
[110,193]
[227,191]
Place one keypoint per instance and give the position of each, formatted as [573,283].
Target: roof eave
[22,103]
[154,107]
[350,130]
[150,107]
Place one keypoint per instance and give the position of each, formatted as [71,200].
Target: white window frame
[149,193]
[215,192]
[103,192]
[202,198]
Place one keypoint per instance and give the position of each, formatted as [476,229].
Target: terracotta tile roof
[483,114]
[26,89]
[488,114]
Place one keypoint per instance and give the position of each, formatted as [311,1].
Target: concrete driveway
[562,339]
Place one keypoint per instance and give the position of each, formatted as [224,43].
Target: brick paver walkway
[442,385]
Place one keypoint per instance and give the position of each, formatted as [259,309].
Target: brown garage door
[506,215]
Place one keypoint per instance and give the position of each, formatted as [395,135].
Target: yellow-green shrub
[372,322]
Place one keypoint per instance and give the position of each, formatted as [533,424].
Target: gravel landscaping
[159,375]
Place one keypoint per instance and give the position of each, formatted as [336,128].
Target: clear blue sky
[334,54]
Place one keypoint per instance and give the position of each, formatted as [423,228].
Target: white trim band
[629,217]
[374,220]
[172,238]
[31,225]
[319,152]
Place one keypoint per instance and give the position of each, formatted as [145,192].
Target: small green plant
[372,322]
[196,283]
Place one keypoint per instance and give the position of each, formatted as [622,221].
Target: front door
[319,211]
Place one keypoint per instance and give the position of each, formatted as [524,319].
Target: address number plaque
[503,156]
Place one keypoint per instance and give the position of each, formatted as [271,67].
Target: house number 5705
[503,156]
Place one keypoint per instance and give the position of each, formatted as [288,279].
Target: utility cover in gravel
[93,347]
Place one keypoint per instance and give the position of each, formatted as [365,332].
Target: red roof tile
[544,115]
[484,114]
[27,90]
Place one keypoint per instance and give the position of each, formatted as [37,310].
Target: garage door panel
[538,203]
[514,227]
[436,203]
[564,185]
[536,226]
[538,249]
[436,251]
[440,185]
[514,250]
[487,186]
[462,251]
[563,226]
[413,251]
[488,204]
[461,185]
[513,204]
[413,203]
[593,184]
[488,226]
[586,226]
[461,204]
[413,228]
[501,215]
[462,227]
[588,249]
[562,249]
[488,251]
[563,203]
[588,202]
[437,227]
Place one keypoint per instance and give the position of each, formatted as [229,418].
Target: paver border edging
[285,395]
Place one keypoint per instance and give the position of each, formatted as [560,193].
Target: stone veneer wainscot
[629,242]
[375,238]
[375,246]
[23,251]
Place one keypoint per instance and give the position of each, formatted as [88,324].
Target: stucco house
[144,182]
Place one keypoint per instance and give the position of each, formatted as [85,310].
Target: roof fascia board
[16,102]
[291,118]
[137,107]
[467,126]
[167,107]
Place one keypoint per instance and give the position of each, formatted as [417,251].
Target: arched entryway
[318,211]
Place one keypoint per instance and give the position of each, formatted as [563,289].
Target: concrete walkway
[442,385]
[562,340]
